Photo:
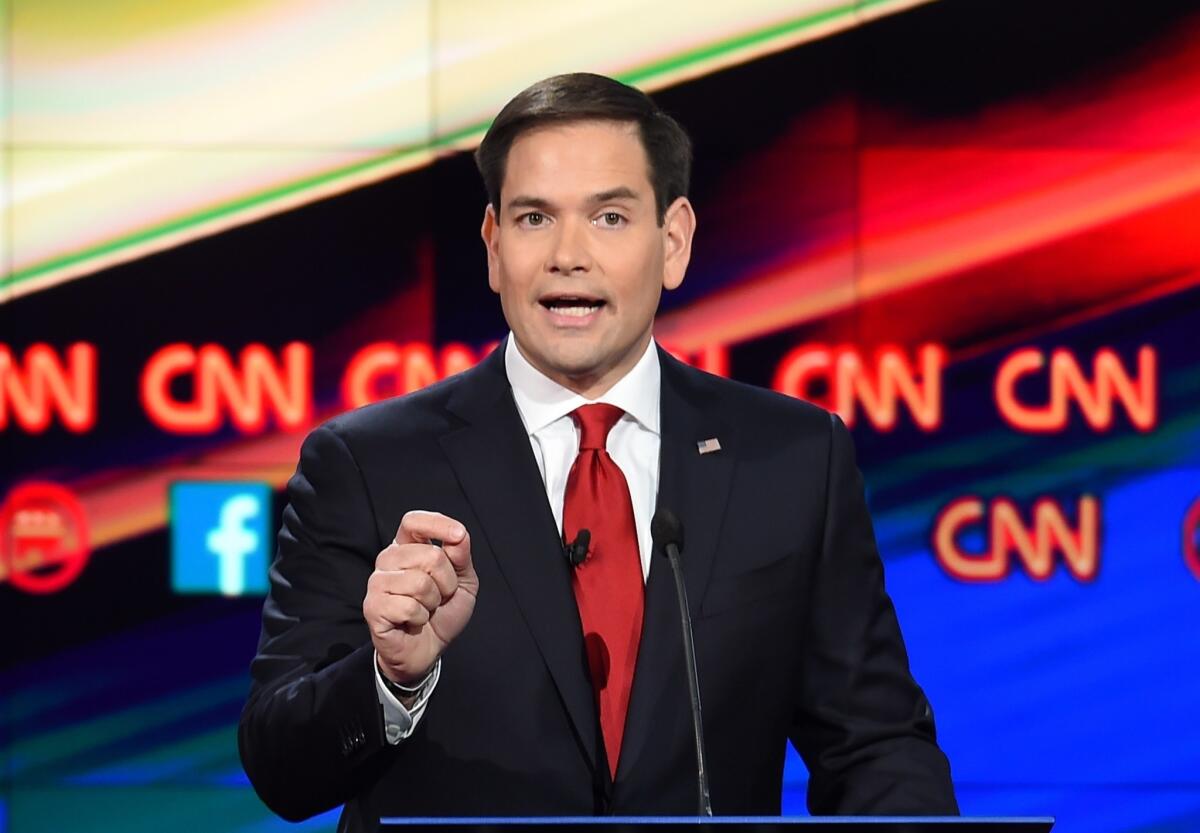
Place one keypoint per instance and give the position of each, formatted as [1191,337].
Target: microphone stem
[689,659]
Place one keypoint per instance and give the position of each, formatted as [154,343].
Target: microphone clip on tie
[577,551]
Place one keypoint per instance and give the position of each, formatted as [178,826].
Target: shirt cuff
[399,722]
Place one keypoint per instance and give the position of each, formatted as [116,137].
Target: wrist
[408,691]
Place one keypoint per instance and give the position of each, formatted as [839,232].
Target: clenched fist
[420,596]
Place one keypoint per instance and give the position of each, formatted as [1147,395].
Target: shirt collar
[541,401]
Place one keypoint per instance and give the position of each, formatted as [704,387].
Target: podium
[718,824]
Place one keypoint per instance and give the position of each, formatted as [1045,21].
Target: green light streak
[471,133]
[75,746]
[148,810]
[1093,468]
[208,215]
[184,760]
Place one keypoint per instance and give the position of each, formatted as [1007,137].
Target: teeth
[577,312]
[573,307]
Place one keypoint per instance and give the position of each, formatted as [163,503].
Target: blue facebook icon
[219,537]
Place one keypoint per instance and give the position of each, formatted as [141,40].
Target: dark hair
[582,96]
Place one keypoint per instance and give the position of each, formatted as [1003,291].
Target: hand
[420,596]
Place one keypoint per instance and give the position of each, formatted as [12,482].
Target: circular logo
[43,537]
[1191,539]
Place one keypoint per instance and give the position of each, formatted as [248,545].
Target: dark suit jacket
[795,637]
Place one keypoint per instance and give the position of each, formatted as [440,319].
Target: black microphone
[667,534]
[578,551]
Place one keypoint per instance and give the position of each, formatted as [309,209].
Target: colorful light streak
[119,505]
[1116,186]
[1046,215]
[1062,182]
[124,504]
[103,177]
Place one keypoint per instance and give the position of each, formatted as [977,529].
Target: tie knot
[595,421]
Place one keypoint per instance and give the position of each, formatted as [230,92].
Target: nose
[569,250]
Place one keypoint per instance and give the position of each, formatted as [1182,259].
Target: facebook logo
[219,537]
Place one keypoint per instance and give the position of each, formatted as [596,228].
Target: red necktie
[608,584]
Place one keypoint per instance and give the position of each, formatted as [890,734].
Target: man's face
[576,253]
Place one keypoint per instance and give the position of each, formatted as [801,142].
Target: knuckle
[409,556]
[413,520]
[399,609]
[379,585]
[413,609]
[446,575]
[431,557]
[386,555]
[425,584]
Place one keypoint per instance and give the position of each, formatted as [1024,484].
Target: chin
[576,367]
[568,362]
[574,357]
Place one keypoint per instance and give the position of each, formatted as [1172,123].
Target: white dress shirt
[545,408]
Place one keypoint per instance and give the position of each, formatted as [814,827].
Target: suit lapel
[492,459]
[695,487]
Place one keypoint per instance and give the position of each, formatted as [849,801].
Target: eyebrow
[536,203]
[621,192]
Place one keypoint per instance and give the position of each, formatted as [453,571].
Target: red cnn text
[891,379]
[244,392]
[1110,382]
[1007,533]
[44,385]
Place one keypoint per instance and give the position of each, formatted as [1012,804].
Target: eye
[532,218]
[610,219]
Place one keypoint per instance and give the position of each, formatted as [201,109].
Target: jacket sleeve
[862,724]
[311,732]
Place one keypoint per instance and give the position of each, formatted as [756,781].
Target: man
[430,647]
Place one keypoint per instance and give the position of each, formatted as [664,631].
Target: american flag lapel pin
[708,446]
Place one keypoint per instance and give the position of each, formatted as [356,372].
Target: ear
[490,232]
[679,224]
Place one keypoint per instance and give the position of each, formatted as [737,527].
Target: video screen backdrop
[971,227]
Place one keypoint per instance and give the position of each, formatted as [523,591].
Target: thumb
[459,553]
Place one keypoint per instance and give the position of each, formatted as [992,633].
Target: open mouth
[574,306]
